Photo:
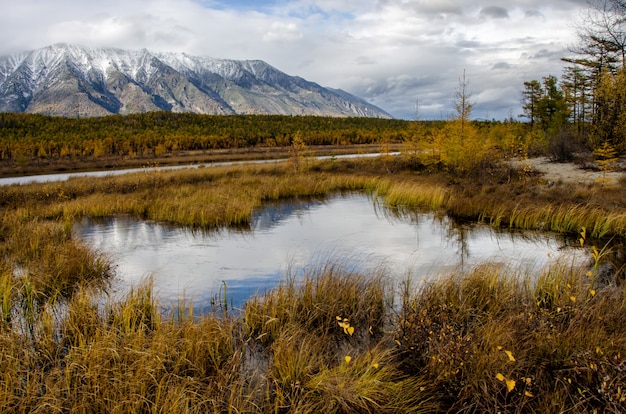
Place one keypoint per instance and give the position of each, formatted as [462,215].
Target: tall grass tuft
[323,339]
[415,195]
[493,341]
[314,302]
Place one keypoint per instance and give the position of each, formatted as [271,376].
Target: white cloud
[281,31]
[389,52]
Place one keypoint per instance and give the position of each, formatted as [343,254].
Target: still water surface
[289,237]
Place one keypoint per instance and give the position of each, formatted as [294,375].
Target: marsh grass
[220,196]
[490,340]
[495,341]
[333,339]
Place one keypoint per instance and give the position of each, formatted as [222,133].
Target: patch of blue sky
[240,5]
[313,10]
[278,7]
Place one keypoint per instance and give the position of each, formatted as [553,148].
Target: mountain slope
[70,80]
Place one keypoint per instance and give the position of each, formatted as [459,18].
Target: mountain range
[75,81]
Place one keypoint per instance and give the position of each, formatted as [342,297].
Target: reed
[412,195]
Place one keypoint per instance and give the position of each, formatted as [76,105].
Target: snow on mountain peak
[130,63]
[124,81]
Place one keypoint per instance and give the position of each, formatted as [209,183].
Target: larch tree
[530,100]
[463,104]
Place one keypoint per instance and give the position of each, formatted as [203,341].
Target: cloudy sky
[392,53]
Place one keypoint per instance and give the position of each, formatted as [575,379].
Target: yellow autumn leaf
[338,318]
[350,330]
[510,385]
[499,377]
[572,298]
[375,365]
[510,355]
[592,292]
[528,394]
[348,358]
[590,273]
[499,348]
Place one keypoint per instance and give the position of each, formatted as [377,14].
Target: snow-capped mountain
[70,80]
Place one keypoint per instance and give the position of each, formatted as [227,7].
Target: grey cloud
[548,54]
[553,4]
[468,44]
[402,82]
[430,7]
[501,66]
[494,12]
[397,94]
[528,40]
[365,60]
[534,14]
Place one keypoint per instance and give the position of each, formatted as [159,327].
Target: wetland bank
[335,338]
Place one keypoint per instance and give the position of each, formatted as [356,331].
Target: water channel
[289,238]
[47,178]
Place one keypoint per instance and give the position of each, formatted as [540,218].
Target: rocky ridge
[75,81]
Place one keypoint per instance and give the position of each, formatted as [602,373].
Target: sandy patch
[568,172]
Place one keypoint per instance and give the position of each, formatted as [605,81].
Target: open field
[339,341]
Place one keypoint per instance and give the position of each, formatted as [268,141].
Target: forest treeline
[157,133]
[28,137]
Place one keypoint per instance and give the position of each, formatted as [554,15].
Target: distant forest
[157,133]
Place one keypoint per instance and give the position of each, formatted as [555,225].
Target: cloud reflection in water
[350,230]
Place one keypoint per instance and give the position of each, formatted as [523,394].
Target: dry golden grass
[331,340]
[497,341]
[491,340]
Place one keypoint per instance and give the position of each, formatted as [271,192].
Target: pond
[352,231]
